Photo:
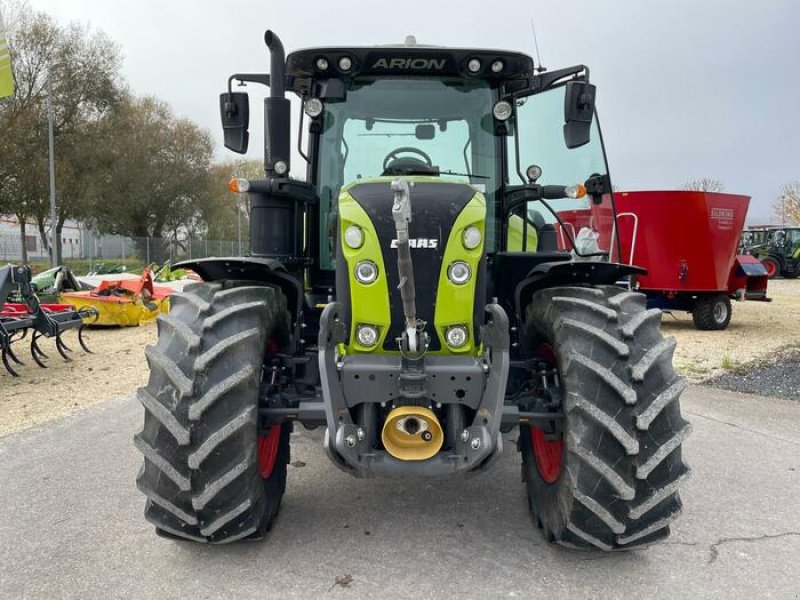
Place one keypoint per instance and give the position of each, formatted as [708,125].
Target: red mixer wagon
[688,243]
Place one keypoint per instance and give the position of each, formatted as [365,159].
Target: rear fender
[265,270]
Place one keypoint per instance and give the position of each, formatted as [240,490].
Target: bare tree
[704,184]
[787,205]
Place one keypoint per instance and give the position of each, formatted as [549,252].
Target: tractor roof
[409,60]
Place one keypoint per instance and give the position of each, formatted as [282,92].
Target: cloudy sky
[687,88]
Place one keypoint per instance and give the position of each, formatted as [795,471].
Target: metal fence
[89,246]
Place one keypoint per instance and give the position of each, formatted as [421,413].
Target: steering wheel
[393,156]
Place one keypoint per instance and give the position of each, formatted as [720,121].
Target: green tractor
[442,276]
[778,248]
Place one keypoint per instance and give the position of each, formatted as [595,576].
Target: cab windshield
[405,126]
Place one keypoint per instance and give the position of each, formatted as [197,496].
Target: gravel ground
[778,377]
[117,367]
[757,332]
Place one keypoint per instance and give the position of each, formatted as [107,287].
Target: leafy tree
[704,184]
[83,67]
[154,174]
[220,212]
[787,205]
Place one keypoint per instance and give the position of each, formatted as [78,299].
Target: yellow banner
[6,76]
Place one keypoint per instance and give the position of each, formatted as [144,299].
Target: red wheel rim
[549,454]
[770,267]
[268,450]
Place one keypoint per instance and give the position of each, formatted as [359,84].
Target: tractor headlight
[502,110]
[456,336]
[367,335]
[354,237]
[459,272]
[472,237]
[366,271]
[474,65]
[313,107]
[345,64]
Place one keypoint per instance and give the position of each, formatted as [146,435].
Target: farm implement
[123,302]
[18,319]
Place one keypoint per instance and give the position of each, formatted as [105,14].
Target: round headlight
[474,65]
[313,107]
[459,272]
[322,63]
[502,110]
[534,172]
[456,336]
[345,64]
[366,271]
[472,237]
[497,66]
[354,237]
[367,335]
[281,168]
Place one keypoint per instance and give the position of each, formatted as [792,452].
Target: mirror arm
[543,81]
[517,195]
[261,78]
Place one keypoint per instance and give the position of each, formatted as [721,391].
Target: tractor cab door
[539,152]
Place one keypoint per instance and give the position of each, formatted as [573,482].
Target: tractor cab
[527,143]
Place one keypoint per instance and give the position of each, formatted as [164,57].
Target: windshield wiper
[473,175]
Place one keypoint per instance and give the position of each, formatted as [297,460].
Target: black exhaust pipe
[277,113]
[277,67]
[275,219]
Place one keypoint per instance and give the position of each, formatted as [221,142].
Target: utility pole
[239,226]
[54,258]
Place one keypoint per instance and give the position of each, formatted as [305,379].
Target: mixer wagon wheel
[617,483]
[712,312]
[207,474]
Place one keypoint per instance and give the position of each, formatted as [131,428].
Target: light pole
[52,159]
[239,221]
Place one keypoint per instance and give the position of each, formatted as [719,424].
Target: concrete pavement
[72,523]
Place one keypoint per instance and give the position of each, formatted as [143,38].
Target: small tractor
[410,296]
[778,249]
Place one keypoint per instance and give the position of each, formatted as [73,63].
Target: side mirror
[578,113]
[234,109]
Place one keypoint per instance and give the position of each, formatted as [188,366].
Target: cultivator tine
[13,356]
[5,354]
[61,347]
[63,343]
[81,342]
[36,352]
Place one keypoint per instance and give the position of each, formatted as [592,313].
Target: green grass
[733,366]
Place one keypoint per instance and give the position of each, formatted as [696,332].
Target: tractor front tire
[614,485]
[712,312]
[204,474]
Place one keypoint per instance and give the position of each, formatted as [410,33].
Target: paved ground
[72,525]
